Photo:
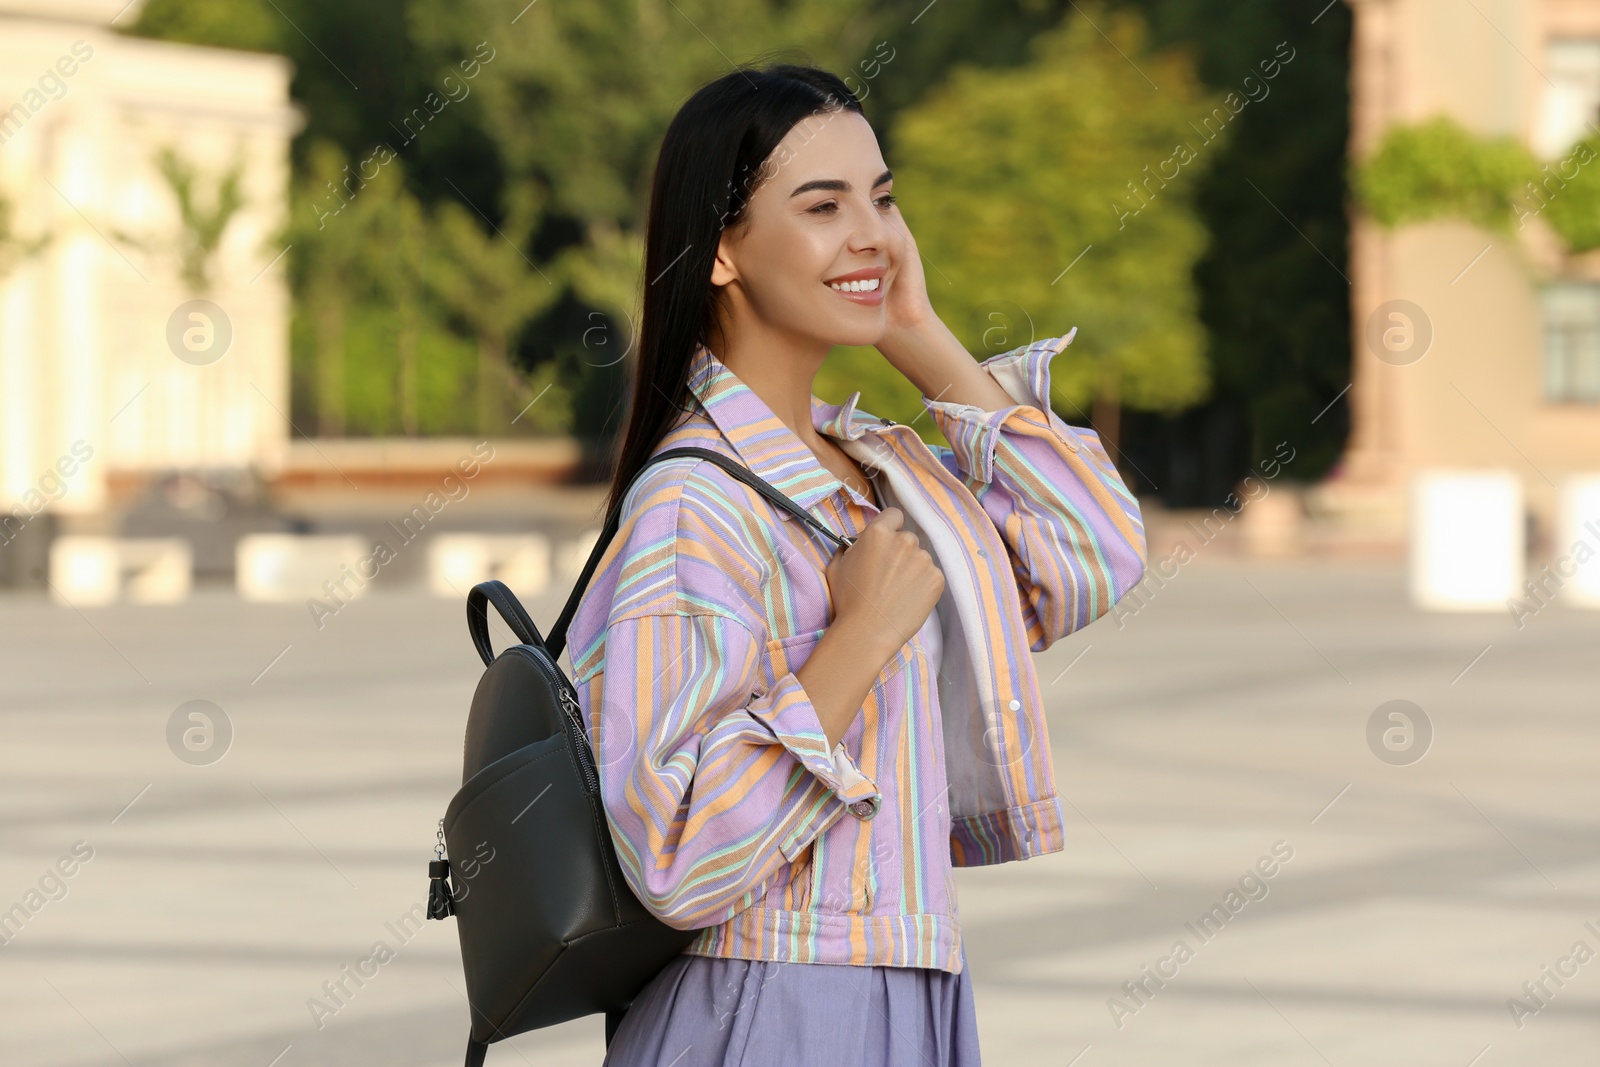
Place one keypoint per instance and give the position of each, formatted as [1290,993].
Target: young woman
[798,743]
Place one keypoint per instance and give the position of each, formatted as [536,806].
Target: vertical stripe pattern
[730,814]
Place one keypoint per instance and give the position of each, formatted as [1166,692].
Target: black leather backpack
[549,929]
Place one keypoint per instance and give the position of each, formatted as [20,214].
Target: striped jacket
[728,810]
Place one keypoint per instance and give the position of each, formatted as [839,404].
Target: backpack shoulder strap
[558,633]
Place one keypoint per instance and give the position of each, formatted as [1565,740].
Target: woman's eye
[888,198]
[824,208]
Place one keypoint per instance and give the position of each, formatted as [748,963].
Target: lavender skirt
[705,1011]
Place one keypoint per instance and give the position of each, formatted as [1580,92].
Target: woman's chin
[859,331]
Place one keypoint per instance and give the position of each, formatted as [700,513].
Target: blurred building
[143,302]
[1511,376]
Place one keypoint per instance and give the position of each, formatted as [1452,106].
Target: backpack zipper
[574,713]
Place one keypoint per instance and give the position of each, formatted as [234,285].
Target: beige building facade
[129,341]
[1504,372]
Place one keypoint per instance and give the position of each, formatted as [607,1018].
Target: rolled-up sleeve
[1073,530]
[711,778]
[709,784]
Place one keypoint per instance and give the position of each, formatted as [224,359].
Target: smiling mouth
[864,285]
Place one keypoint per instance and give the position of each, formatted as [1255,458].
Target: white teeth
[868,285]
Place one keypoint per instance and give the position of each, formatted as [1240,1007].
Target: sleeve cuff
[866,804]
[787,712]
[1023,374]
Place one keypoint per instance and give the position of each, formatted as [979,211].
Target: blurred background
[313,315]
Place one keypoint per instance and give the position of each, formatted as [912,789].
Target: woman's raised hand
[885,585]
[906,307]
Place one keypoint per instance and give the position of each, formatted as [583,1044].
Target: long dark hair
[711,161]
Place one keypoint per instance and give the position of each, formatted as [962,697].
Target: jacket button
[863,809]
[1015,705]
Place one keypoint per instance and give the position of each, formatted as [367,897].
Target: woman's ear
[722,268]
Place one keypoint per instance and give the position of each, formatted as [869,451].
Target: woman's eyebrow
[836,185]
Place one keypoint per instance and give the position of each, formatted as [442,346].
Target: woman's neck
[782,371]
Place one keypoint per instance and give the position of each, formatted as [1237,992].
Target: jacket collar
[763,442]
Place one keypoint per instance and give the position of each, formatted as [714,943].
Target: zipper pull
[573,709]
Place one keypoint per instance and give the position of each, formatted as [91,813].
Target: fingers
[889,518]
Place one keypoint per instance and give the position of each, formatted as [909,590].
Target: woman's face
[821,216]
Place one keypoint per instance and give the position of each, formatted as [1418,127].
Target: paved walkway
[1218,733]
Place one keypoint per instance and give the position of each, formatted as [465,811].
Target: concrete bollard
[1274,525]
[92,570]
[1578,541]
[458,561]
[158,570]
[277,567]
[1467,541]
[84,570]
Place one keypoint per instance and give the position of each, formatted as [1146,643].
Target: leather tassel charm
[441,901]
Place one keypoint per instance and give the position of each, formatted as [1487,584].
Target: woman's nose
[871,230]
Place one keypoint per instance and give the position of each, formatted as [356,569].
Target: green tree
[242,24]
[484,278]
[354,68]
[577,96]
[205,210]
[203,218]
[1572,205]
[1038,200]
[403,283]
[331,228]
[1273,294]
[1439,168]
[391,274]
